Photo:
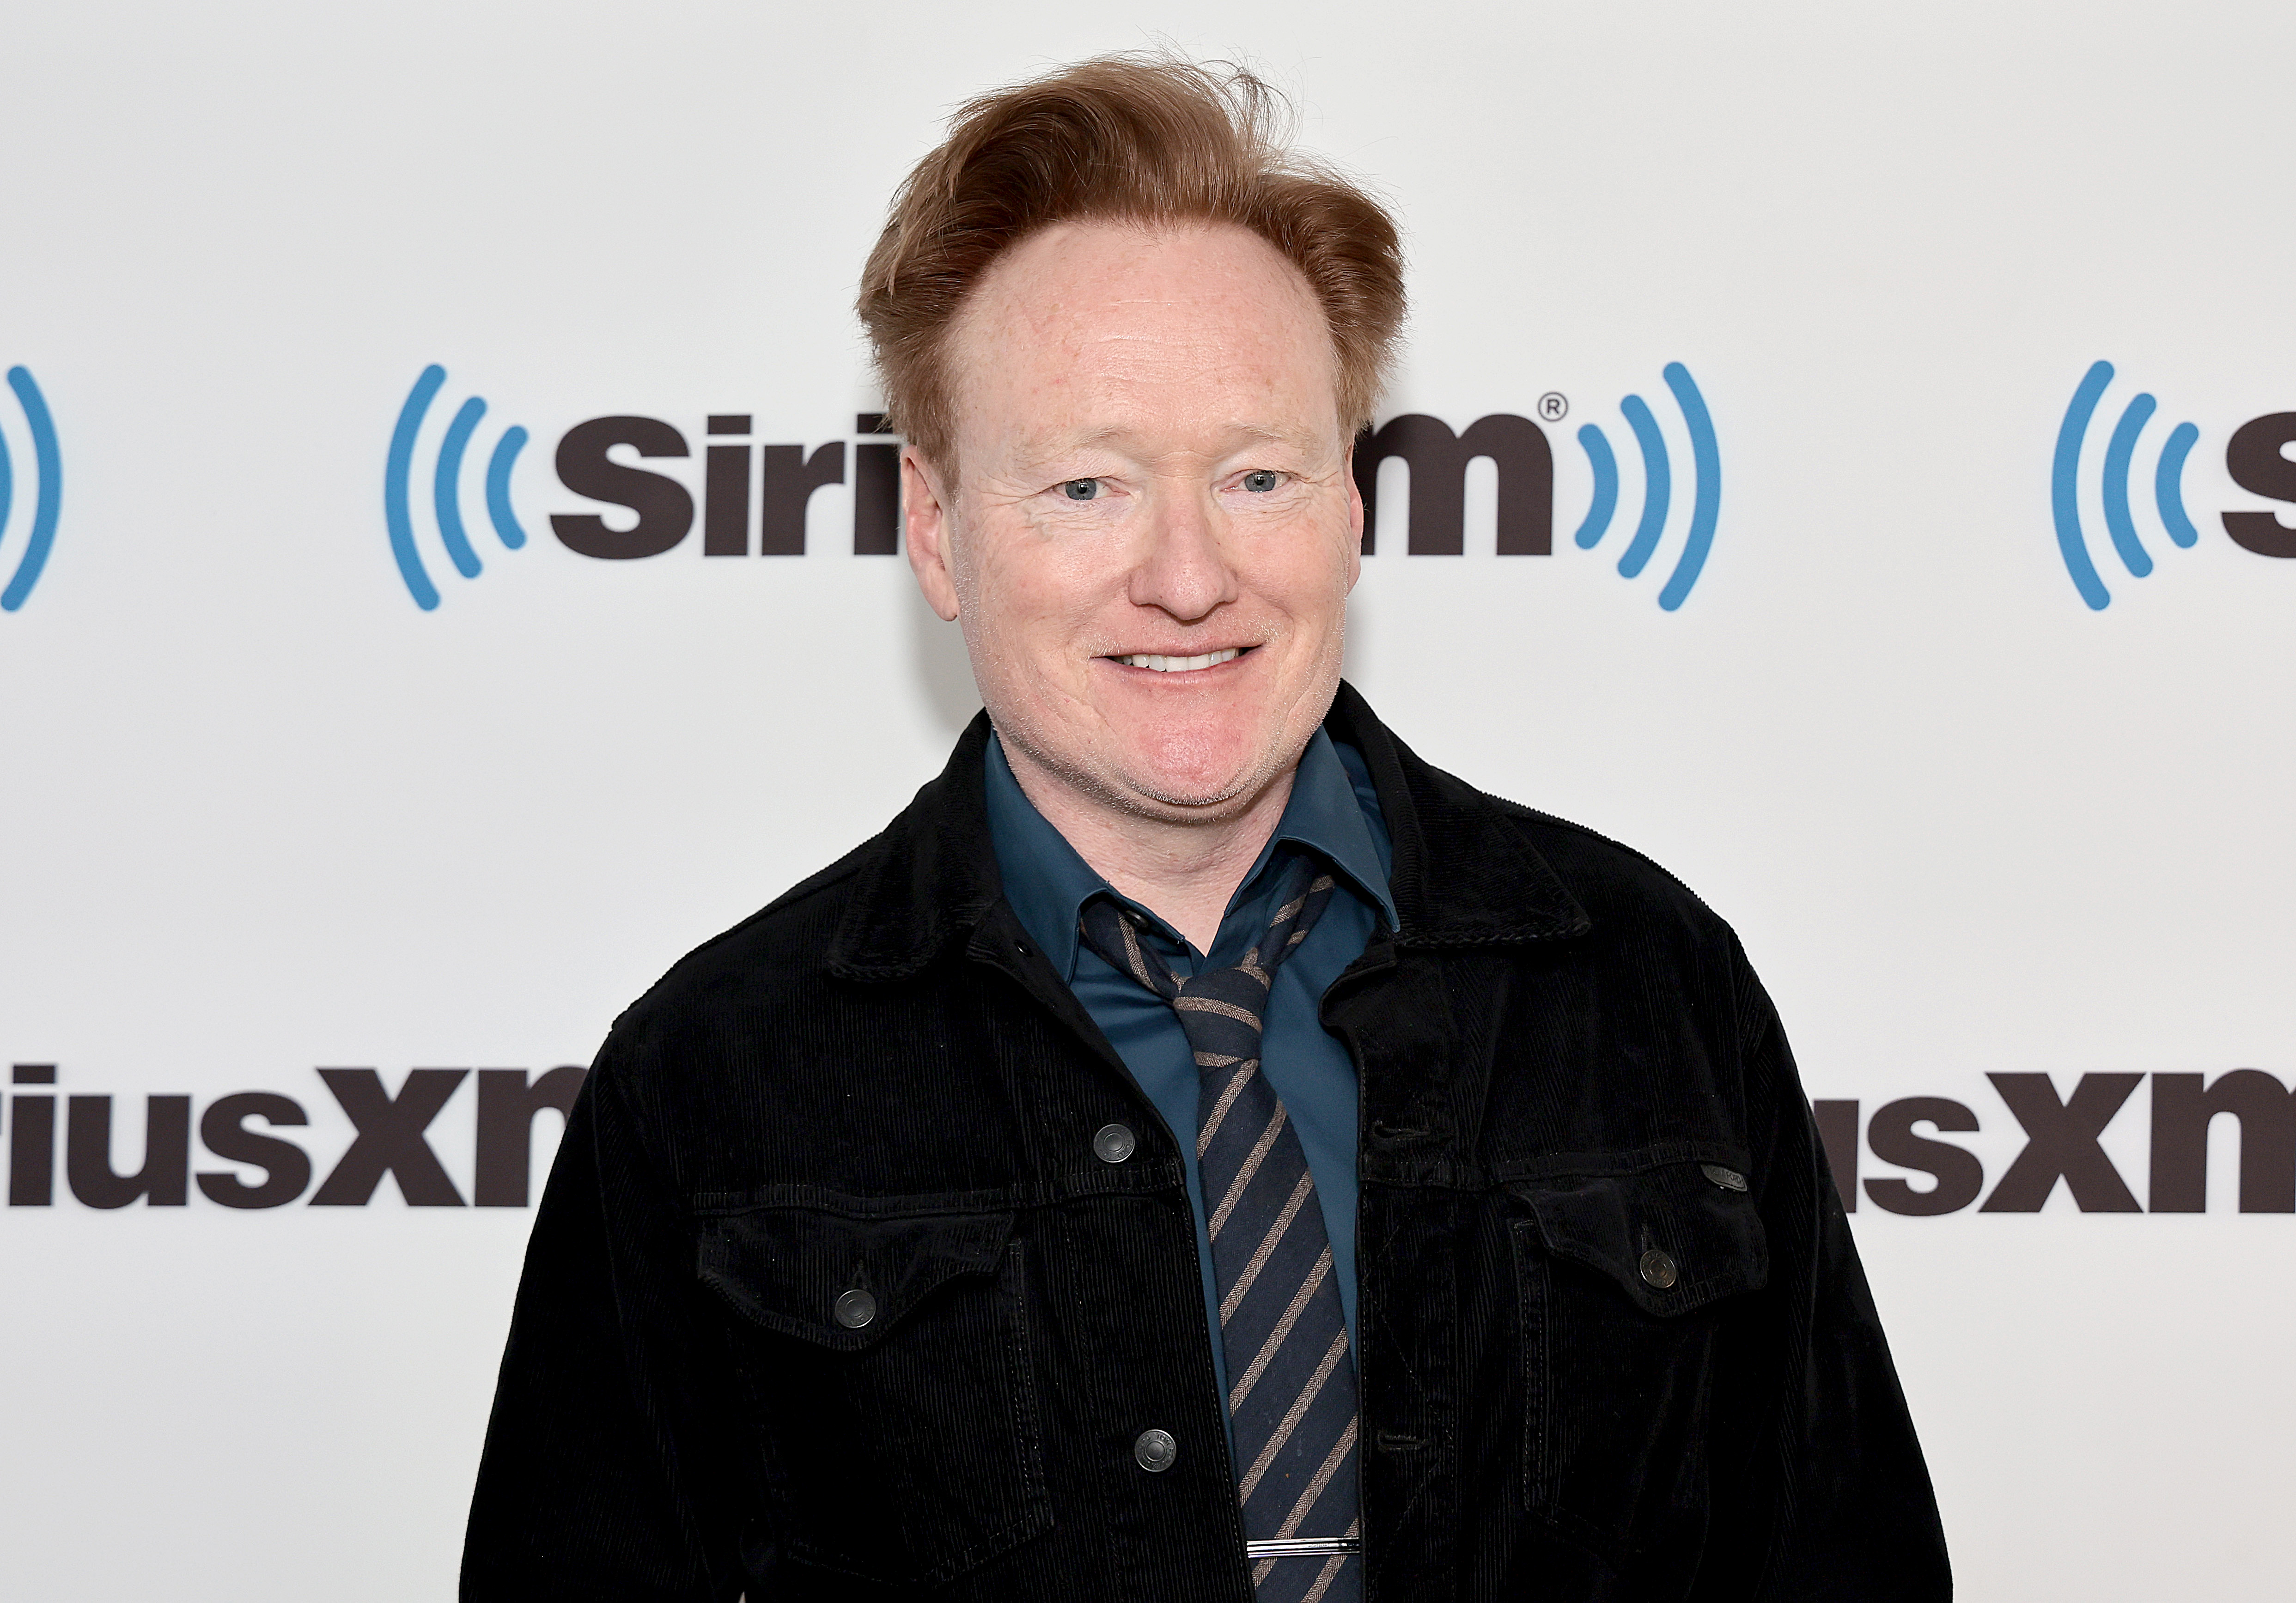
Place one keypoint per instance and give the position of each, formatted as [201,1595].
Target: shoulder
[1491,850]
[810,964]
[1655,936]
[1475,867]
[1607,876]
[778,951]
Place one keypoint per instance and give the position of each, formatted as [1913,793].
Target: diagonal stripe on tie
[1291,1398]
[1242,1387]
[1226,1099]
[1338,1456]
[1277,1129]
[1291,1422]
[1300,1195]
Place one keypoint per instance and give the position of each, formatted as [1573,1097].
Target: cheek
[1032,601]
[1309,574]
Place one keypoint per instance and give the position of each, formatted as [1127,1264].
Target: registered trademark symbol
[1553,407]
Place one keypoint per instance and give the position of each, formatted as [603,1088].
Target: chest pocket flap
[1622,1277]
[1673,1237]
[795,1270]
[885,1360]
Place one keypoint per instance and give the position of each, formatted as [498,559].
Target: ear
[924,512]
[1355,516]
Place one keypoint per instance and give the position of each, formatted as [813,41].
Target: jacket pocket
[887,1362]
[1623,1283]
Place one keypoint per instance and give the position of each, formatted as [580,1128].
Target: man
[1198,1151]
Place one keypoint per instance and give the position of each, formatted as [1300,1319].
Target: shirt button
[1112,1143]
[1154,1451]
[1658,1269]
[856,1309]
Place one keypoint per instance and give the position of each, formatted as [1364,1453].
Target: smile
[1179,665]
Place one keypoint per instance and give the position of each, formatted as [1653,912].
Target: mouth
[1156,664]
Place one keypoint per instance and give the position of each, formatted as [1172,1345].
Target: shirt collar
[1047,882]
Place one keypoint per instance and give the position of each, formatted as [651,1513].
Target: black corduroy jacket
[1614,1341]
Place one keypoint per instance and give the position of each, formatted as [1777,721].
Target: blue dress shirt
[1333,814]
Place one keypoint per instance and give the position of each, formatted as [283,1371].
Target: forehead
[1090,329]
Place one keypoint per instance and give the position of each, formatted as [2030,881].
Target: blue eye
[1081,489]
[1261,481]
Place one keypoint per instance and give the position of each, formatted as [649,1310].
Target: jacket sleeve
[1820,1486]
[604,1477]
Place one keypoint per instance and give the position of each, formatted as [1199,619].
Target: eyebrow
[1037,450]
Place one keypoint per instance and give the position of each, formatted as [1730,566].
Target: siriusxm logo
[391,1136]
[446,487]
[2064,1142]
[754,496]
[753,500]
[46,493]
[2255,456]
[1518,448]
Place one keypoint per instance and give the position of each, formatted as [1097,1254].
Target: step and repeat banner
[449,567]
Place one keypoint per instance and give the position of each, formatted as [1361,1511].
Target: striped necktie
[1292,1379]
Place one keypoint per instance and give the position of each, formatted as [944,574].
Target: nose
[1185,570]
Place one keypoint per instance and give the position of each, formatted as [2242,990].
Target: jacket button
[1658,1269]
[1154,1451]
[1112,1143]
[856,1309]
[1729,1179]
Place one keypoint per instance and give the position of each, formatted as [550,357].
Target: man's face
[1154,526]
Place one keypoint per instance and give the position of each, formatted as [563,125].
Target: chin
[1200,764]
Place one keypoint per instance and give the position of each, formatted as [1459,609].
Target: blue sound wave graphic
[1605,499]
[446,487]
[48,469]
[1658,487]
[2120,457]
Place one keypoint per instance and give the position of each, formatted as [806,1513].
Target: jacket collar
[1465,873]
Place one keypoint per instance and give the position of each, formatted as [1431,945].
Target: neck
[1184,869]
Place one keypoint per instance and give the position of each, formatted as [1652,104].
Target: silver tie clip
[1303,1547]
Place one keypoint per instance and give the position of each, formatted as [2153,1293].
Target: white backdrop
[260,814]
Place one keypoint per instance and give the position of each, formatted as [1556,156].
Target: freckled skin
[1148,458]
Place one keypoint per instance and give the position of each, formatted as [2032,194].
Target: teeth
[1180,665]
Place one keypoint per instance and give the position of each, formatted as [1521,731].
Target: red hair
[1135,138]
